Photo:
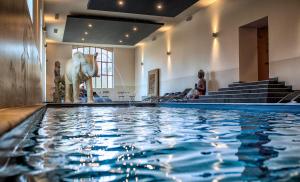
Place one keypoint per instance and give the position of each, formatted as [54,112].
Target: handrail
[294,96]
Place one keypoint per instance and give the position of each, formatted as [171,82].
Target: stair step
[248,95]
[259,90]
[239,100]
[265,91]
[255,87]
[254,83]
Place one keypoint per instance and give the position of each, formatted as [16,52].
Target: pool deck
[12,116]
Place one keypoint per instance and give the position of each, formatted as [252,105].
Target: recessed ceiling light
[82,39]
[121,3]
[86,33]
[121,41]
[159,6]
[135,29]
[90,25]
[127,35]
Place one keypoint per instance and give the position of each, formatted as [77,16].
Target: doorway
[263,53]
[254,51]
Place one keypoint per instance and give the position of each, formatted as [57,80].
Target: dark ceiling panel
[106,30]
[168,8]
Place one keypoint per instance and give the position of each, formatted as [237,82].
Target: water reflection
[253,151]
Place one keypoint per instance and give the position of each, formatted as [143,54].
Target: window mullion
[106,70]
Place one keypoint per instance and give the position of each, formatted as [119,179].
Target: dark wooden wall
[20,68]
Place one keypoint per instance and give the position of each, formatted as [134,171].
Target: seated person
[200,88]
[201,83]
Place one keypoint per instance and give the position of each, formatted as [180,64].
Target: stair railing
[295,95]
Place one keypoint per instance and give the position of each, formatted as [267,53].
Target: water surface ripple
[158,144]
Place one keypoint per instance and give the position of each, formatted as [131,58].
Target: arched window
[105,62]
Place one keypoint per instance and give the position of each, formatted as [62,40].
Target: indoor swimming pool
[157,144]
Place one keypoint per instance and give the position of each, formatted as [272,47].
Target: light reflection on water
[160,144]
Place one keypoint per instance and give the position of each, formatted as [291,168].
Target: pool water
[158,144]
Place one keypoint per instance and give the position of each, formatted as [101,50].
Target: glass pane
[92,50]
[110,82]
[99,68]
[99,52]
[104,52]
[104,81]
[110,56]
[74,51]
[104,68]
[98,82]
[80,49]
[110,68]
[104,58]
[86,50]
[99,58]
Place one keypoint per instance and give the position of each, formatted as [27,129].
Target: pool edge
[12,137]
[236,106]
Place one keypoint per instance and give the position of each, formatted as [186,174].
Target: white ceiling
[67,7]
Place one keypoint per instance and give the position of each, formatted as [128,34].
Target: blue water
[158,144]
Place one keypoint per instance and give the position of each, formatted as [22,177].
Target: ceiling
[107,30]
[167,8]
[63,8]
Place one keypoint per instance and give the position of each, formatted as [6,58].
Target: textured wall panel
[20,69]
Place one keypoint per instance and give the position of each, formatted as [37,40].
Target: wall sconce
[215,34]
[169,53]
[189,18]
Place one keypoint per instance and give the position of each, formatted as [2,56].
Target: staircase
[267,91]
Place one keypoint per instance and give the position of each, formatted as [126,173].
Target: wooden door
[263,53]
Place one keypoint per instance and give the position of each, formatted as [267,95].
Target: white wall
[192,46]
[55,52]
[124,78]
